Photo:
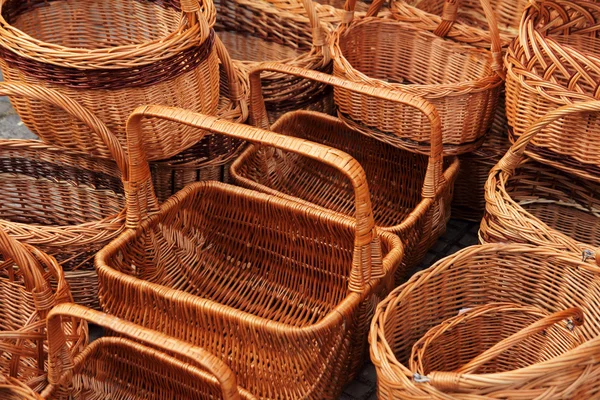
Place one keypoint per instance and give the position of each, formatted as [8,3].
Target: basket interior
[392,52]
[93,24]
[244,250]
[395,176]
[566,203]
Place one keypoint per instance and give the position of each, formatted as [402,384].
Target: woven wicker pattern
[556,62]
[116,62]
[468,201]
[412,204]
[304,280]
[463,21]
[66,203]
[12,389]
[31,283]
[537,276]
[528,202]
[142,364]
[461,81]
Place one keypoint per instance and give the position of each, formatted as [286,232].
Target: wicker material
[31,283]
[12,389]
[111,56]
[66,203]
[525,275]
[528,202]
[140,364]
[461,81]
[556,62]
[411,193]
[463,21]
[256,31]
[468,201]
[281,291]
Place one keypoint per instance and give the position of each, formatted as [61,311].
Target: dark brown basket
[411,192]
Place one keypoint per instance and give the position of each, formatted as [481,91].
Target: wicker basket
[12,389]
[529,202]
[463,21]
[111,56]
[461,81]
[411,192]
[468,202]
[526,275]
[256,31]
[68,204]
[31,283]
[556,62]
[282,292]
[139,364]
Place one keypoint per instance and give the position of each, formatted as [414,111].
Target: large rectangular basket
[281,292]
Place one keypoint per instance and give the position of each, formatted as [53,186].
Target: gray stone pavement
[458,234]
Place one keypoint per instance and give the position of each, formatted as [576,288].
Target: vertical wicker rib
[411,192]
[143,364]
[280,291]
[31,283]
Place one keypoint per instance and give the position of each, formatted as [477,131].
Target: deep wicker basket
[139,364]
[31,283]
[462,82]
[556,62]
[529,202]
[411,193]
[69,204]
[538,276]
[283,293]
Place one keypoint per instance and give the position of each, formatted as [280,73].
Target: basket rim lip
[337,314]
[76,57]
[427,91]
[378,343]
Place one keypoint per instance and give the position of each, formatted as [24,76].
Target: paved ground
[459,234]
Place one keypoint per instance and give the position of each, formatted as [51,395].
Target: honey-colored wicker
[282,292]
[496,338]
[526,275]
[468,201]
[66,203]
[556,62]
[529,202]
[110,56]
[411,193]
[461,81]
[461,20]
[12,389]
[256,31]
[139,364]
[31,283]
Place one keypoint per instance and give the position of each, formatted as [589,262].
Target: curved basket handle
[142,202]
[320,33]
[434,177]
[235,94]
[196,15]
[59,357]
[451,381]
[33,273]
[74,109]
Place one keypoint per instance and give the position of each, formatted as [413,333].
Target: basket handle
[74,109]
[434,177]
[60,358]
[235,94]
[451,381]
[33,275]
[142,202]
[320,33]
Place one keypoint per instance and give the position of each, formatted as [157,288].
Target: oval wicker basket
[67,203]
[411,192]
[526,275]
[139,364]
[556,62]
[461,20]
[110,56]
[256,31]
[31,283]
[461,81]
[529,202]
[282,292]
